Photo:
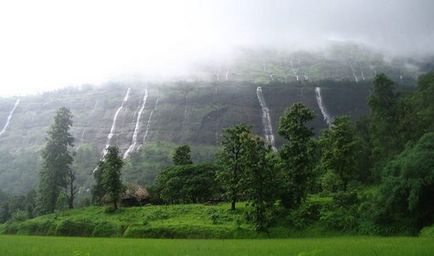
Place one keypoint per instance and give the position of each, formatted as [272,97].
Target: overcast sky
[50,44]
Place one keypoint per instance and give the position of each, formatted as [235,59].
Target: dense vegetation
[373,176]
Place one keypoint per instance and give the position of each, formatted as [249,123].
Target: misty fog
[51,44]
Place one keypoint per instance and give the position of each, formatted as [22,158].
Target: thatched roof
[135,191]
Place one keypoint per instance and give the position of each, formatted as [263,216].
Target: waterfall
[115,117]
[293,70]
[266,119]
[354,73]
[148,124]
[136,129]
[325,114]
[8,120]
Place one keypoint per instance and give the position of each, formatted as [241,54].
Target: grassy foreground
[74,246]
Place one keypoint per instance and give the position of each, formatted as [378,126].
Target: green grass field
[74,246]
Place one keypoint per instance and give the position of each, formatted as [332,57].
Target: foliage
[339,151]
[111,175]
[98,190]
[57,161]
[232,169]
[383,103]
[405,198]
[427,232]
[175,221]
[182,155]
[190,183]
[296,154]
[260,179]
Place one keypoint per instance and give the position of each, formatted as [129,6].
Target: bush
[104,229]
[427,231]
[45,227]
[330,182]
[11,228]
[343,214]
[82,227]
[178,231]
[340,219]
[306,214]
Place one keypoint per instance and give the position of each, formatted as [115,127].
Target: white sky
[50,44]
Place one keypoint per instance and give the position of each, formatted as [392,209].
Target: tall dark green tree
[57,160]
[98,190]
[260,179]
[296,154]
[384,120]
[422,105]
[339,150]
[230,159]
[182,155]
[111,175]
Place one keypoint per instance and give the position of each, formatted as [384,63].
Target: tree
[260,179]
[421,110]
[111,175]
[182,155]
[406,195]
[384,120]
[192,183]
[339,146]
[56,161]
[98,190]
[230,159]
[72,189]
[296,154]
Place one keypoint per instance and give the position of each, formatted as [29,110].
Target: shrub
[330,182]
[178,231]
[11,228]
[105,229]
[427,231]
[82,227]
[44,227]
[339,219]
[306,214]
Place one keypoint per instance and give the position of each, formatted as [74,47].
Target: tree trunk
[234,200]
[115,204]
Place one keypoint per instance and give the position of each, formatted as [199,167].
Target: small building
[135,195]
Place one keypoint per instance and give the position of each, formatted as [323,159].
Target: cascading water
[354,73]
[363,75]
[115,117]
[325,114]
[136,129]
[8,120]
[293,70]
[266,119]
[148,124]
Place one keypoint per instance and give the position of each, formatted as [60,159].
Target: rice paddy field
[14,245]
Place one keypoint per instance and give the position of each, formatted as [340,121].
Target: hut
[135,195]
